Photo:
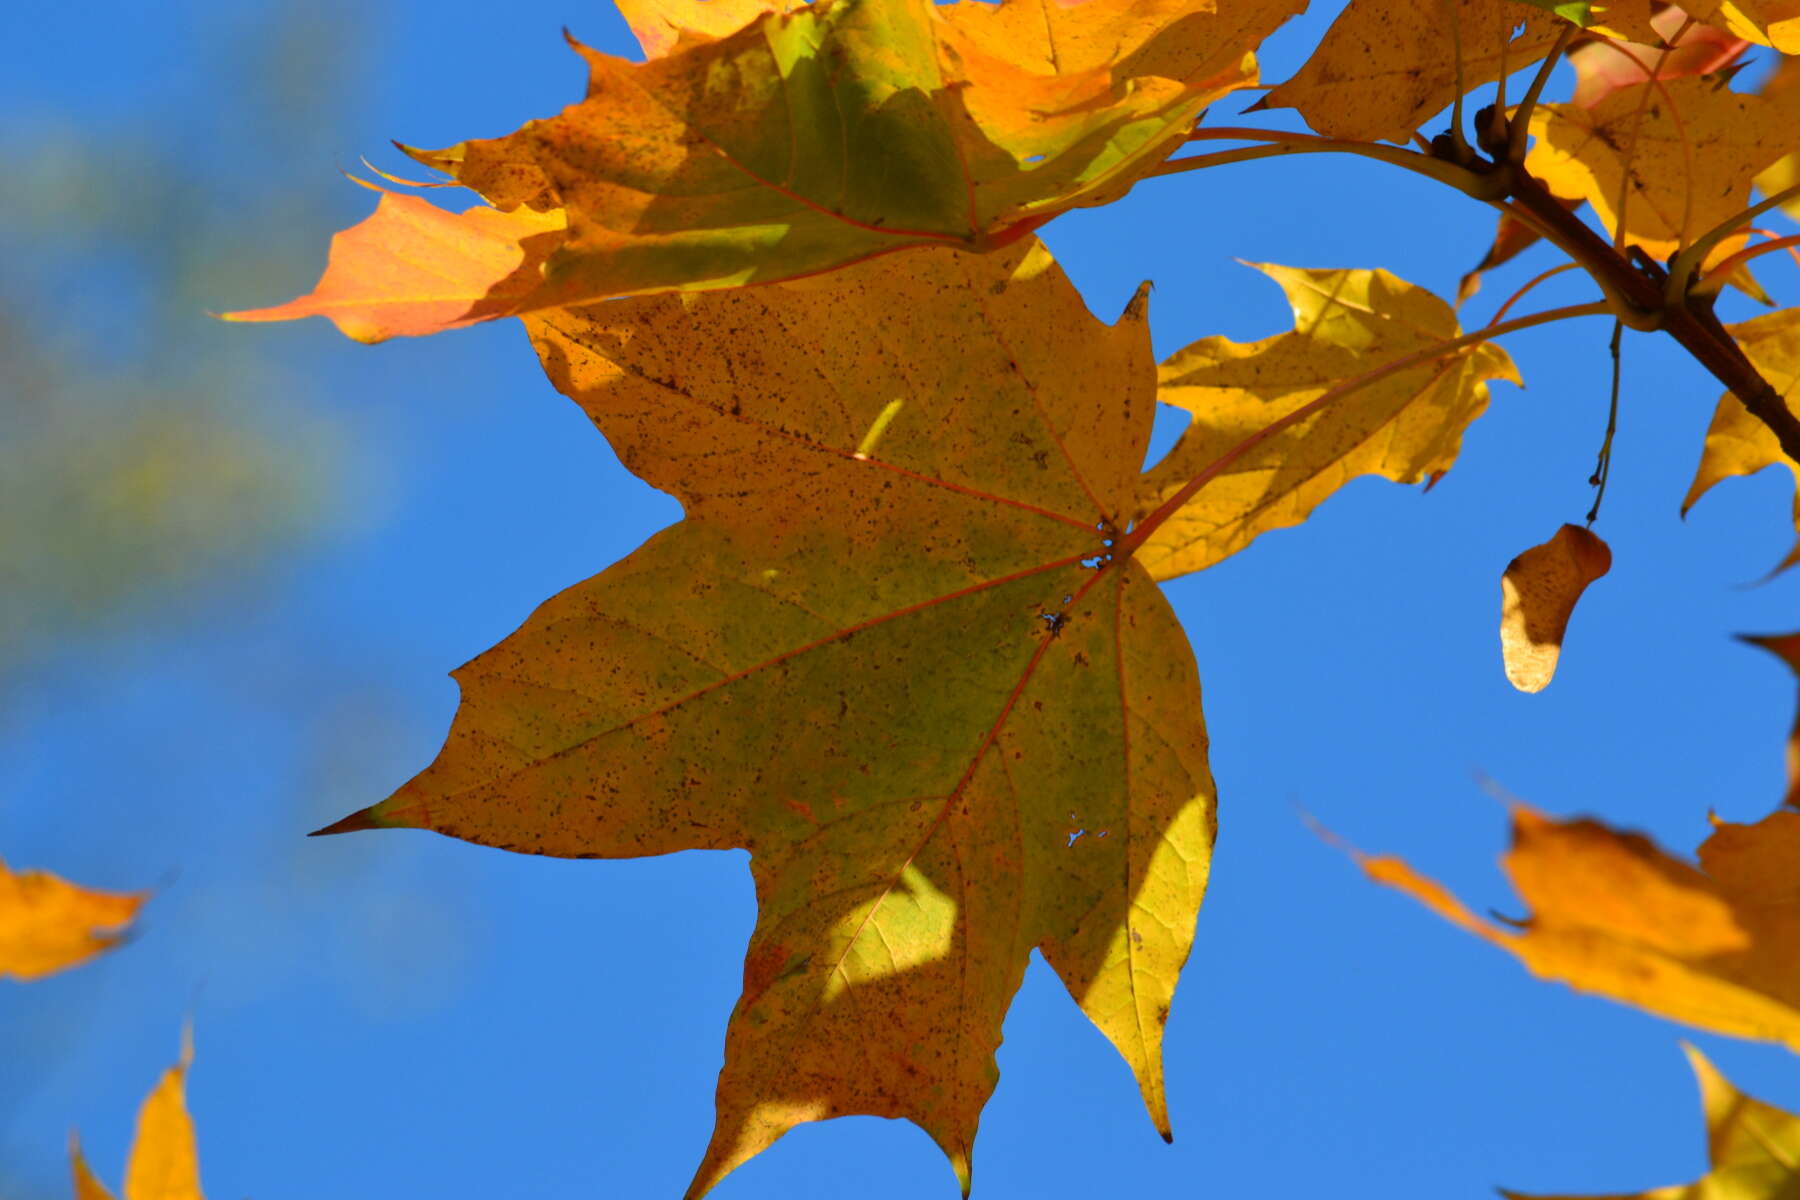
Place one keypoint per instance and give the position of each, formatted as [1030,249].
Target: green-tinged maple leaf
[1754,1148]
[1786,647]
[1613,914]
[1739,444]
[164,1163]
[1685,151]
[889,651]
[818,137]
[48,924]
[1386,66]
[1538,593]
[1406,427]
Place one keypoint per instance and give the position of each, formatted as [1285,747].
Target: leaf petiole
[1468,182]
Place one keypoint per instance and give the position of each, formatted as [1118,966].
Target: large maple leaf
[890,651]
[805,140]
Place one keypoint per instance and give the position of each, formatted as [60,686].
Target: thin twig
[1603,462]
[1500,313]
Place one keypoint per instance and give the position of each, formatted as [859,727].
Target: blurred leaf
[164,1163]
[1754,1148]
[1614,915]
[48,924]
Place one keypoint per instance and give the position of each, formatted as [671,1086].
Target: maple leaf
[810,139]
[1736,442]
[1786,647]
[1753,1147]
[1386,66]
[1687,149]
[1614,915]
[48,924]
[889,651]
[1406,427]
[1538,593]
[164,1163]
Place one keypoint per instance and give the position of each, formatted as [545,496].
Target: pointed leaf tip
[354,823]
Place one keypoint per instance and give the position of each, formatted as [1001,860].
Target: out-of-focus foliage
[164,1164]
[145,448]
[48,924]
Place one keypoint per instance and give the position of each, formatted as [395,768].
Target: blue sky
[400,1013]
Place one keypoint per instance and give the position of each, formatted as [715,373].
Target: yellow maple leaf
[1386,66]
[1538,592]
[164,1163]
[1406,427]
[1614,915]
[48,924]
[1685,151]
[890,651]
[1754,1148]
[1736,442]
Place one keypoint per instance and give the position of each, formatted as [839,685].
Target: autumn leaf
[1614,915]
[1686,149]
[891,652]
[413,269]
[164,1163]
[48,924]
[1739,444]
[1753,1147]
[1386,66]
[1538,592]
[1786,647]
[810,139]
[1406,427]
